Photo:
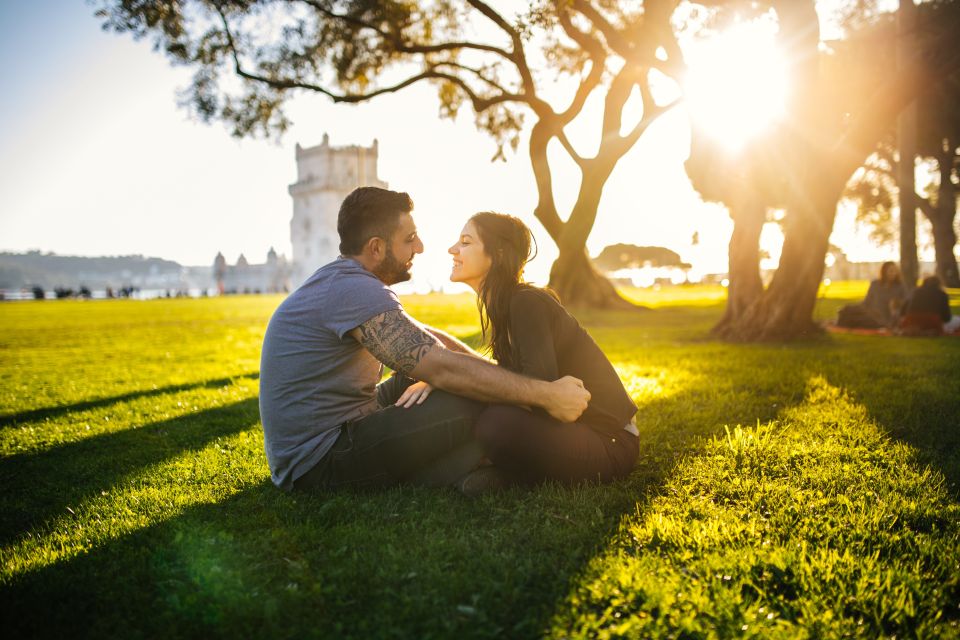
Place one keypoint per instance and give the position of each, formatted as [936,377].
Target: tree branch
[588,43]
[396,39]
[546,209]
[598,59]
[614,38]
[655,112]
[477,72]
[616,98]
[479,103]
[517,56]
[565,141]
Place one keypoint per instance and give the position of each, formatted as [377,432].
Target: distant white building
[325,176]
[273,276]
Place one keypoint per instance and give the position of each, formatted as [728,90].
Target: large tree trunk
[579,285]
[785,310]
[573,276]
[944,241]
[944,234]
[745,284]
[907,142]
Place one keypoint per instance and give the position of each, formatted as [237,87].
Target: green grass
[804,491]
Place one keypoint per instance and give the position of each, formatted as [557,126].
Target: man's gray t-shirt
[313,375]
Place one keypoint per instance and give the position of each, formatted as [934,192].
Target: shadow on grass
[85,405]
[916,402]
[400,563]
[38,487]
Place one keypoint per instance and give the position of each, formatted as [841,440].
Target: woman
[928,311]
[881,308]
[531,333]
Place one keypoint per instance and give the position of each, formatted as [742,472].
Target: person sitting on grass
[327,423]
[881,308]
[532,334]
[928,310]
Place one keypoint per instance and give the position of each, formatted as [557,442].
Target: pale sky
[97,159]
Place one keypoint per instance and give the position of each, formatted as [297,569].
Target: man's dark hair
[369,212]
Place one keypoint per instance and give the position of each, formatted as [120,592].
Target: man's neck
[366,264]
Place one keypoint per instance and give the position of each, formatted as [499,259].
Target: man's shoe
[488,479]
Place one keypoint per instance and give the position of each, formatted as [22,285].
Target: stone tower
[325,176]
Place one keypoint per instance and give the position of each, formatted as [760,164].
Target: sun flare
[736,84]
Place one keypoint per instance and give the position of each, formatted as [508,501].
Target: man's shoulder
[344,276]
[342,267]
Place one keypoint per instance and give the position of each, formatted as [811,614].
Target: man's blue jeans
[431,444]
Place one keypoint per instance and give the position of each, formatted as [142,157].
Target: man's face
[401,248]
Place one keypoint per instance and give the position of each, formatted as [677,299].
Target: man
[326,420]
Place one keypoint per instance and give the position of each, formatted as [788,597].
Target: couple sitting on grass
[890,304]
[552,408]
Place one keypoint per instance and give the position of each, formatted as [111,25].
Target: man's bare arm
[401,344]
[451,342]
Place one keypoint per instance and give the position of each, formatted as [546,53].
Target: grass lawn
[803,490]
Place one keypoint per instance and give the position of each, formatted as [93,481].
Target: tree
[874,188]
[832,124]
[356,50]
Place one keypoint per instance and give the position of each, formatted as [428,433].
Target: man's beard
[391,270]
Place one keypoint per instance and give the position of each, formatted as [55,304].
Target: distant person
[327,423]
[881,308]
[928,310]
[532,334]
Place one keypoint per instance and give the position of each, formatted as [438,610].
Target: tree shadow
[60,410]
[917,402]
[39,486]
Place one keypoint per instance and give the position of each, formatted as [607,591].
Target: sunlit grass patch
[672,296]
[816,525]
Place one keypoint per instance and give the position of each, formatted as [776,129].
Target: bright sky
[97,159]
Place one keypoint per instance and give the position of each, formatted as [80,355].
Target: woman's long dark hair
[510,245]
[885,269]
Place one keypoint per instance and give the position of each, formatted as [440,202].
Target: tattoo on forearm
[396,341]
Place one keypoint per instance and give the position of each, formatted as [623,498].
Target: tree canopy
[539,60]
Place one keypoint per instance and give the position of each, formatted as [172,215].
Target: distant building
[325,176]
[273,276]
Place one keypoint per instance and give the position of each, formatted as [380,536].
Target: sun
[736,83]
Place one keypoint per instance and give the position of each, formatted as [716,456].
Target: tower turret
[325,176]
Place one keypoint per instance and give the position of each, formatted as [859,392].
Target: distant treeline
[48,270]
[628,256]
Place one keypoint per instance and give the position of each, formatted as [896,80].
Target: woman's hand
[414,394]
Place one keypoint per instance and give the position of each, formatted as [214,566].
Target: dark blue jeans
[533,447]
[430,444]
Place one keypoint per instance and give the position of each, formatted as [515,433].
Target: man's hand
[568,399]
[416,393]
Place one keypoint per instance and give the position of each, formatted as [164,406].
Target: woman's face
[890,273]
[470,262]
